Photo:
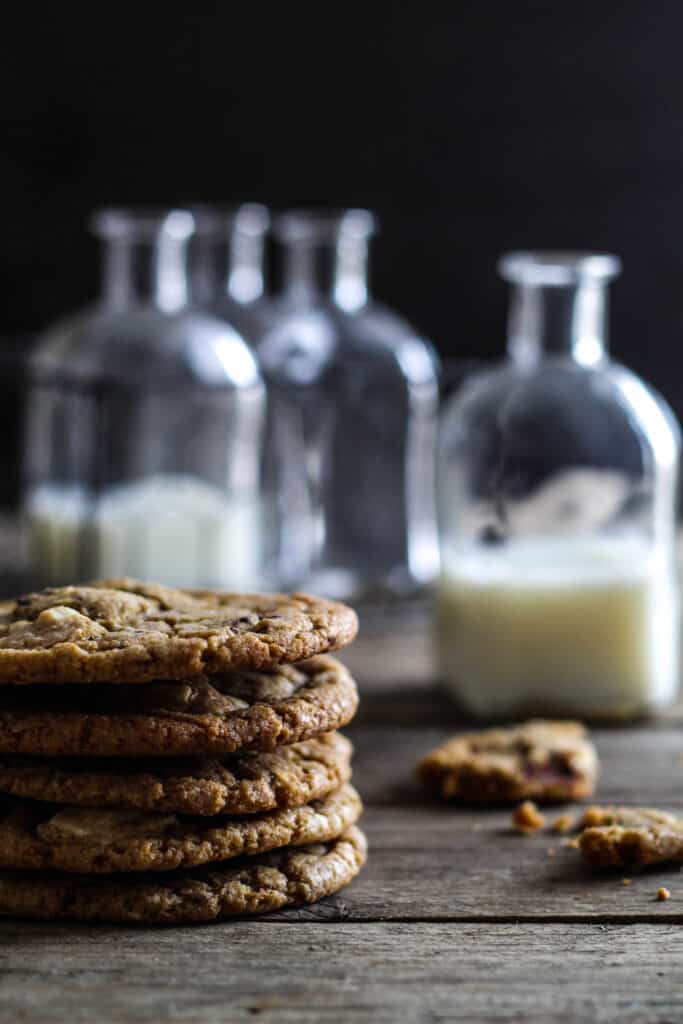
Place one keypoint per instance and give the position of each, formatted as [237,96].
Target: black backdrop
[471,128]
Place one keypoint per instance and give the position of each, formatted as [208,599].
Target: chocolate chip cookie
[538,760]
[251,885]
[37,836]
[132,632]
[208,715]
[245,783]
[626,836]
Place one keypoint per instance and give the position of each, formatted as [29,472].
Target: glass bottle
[145,427]
[355,393]
[557,481]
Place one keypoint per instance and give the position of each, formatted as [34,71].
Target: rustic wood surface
[456,917]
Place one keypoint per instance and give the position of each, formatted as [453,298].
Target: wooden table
[454,918]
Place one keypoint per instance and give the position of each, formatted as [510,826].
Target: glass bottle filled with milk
[145,450]
[557,489]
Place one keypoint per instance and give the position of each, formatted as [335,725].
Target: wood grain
[342,973]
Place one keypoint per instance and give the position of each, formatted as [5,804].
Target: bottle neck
[569,320]
[326,257]
[146,273]
[337,272]
[245,278]
[145,260]
[229,255]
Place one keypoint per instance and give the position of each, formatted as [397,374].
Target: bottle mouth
[558,269]
[142,224]
[321,226]
[250,219]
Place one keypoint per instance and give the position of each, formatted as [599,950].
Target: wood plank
[427,704]
[341,973]
[430,863]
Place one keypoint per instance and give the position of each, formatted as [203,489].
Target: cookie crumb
[563,823]
[527,817]
[626,881]
[593,817]
[550,851]
[663,894]
[571,844]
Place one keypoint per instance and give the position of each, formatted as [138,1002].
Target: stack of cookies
[172,756]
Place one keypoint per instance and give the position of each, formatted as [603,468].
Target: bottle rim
[142,223]
[324,225]
[251,219]
[557,268]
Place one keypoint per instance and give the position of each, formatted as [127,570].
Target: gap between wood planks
[625,920]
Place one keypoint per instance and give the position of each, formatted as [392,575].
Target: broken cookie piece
[619,836]
[551,762]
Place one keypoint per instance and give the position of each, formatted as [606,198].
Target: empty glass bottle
[557,480]
[145,428]
[355,392]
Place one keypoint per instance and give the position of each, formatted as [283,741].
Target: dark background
[470,127]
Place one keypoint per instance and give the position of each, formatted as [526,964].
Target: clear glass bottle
[145,427]
[356,394]
[557,480]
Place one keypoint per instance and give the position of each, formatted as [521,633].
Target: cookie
[209,715]
[626,836]
[132,632]
[538,760]
[245,783]
[253,885]
[36,836]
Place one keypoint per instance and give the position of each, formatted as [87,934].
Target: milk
[559,626]
[171,528]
